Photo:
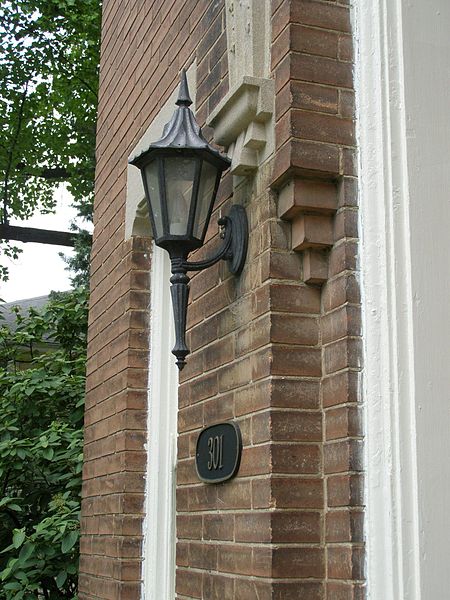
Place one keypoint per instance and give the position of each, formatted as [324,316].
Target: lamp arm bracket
[222,253]
[234,246]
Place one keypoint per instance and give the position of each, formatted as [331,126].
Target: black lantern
[181,174]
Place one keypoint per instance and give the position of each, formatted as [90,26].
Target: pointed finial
[183,95]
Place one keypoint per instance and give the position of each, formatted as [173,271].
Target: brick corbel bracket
[310,206]
[241,123]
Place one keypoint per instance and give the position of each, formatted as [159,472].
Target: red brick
[298,562]
[217,587]
[296,458]
[218,527]
[339,590]
[235,559]
[218,409]
[298,590]
[249,589]
[345,562]
[255,461]
[298,38]
[341,422]
[253,527]
[345,490]
[202,497]
[295,393]
[288,360]
[189,583]
[345,321]
[343,456]
[342,354]
[202,556]
[318,14]
[344,526]
[294,298]
[297,493]
[305,158]
[308,96]
[296,527]
[314,69]
[235,495]
[298,426]
[320,127]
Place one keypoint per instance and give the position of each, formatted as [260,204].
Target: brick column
[115,422]
[315,173]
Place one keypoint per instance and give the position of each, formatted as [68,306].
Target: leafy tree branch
[49,60]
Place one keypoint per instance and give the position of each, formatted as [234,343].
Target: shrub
[41,418]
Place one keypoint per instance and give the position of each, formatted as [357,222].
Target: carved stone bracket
[242,123]
[310,207]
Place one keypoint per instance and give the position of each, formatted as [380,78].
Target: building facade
[328,350]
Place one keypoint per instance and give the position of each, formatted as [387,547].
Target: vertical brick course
[312,62]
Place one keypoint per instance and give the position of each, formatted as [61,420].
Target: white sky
[39,269]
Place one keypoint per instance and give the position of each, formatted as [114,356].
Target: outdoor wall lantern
[181,174]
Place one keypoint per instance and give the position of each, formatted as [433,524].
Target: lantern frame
[182,138]
[167,240]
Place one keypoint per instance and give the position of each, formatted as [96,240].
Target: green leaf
[18,537]
[61,579]
[69,541]
[48,453]
[26,551]
[14,585]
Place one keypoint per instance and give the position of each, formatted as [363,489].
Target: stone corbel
[310,206]
[242,123]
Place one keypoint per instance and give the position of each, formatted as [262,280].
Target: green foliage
[49,59]
[78,264]
[41,416]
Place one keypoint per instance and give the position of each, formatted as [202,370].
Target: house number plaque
[218,452]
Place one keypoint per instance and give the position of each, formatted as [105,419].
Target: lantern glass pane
[153,191]
[179,178]
[206,189]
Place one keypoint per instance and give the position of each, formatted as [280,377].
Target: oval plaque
[218,452]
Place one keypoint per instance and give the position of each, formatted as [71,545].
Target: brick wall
[144,46]
[269,349]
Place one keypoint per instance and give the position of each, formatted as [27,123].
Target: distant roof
[24,305]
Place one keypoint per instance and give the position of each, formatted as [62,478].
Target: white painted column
[426,49]
[159,523]
[403,107]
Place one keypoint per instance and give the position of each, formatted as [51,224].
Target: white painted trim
[159,524]
[392,523]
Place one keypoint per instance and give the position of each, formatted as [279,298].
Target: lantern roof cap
[184,98]
[183,132]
